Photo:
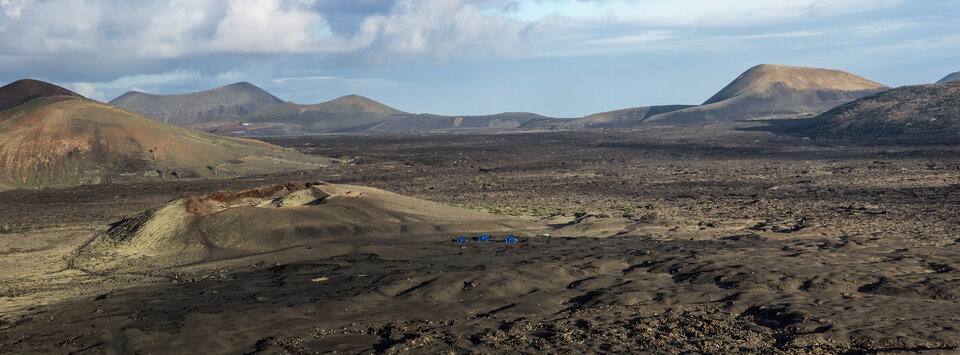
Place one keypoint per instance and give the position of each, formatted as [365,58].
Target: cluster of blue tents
[486,238]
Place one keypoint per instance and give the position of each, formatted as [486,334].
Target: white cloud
[833,7]
[876,28]
[672,13]
[355,82]
[925,45]
[300,78]
[443,28]
[190,28]
[149,83]
[88,90]
[649,36]
[131,81]
[172,30]
[141,83]
[268,26]
[13,8]
[793,34]
[194,30]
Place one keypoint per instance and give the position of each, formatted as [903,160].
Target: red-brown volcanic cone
[24,90]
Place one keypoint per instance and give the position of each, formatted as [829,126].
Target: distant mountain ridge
[764,91]
[950,77]
[629,117]
[353,113]
[344,114]
[216,104]
[769,91]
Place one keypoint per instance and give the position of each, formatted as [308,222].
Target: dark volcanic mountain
[928,113]
[61,139]
[25,90]
[620,118]
[775,91]
[203,106]
[951,77]
[345,114]
[353,113]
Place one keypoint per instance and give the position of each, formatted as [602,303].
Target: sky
[562,58]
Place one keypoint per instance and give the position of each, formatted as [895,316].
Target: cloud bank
[311,49]
[369,29]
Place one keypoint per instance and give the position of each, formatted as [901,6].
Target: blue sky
[564,58]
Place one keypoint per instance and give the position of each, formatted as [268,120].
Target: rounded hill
[69,140]
[776,91]
[224,224]
[343,114]
[24,90]
[768,80]
[203,106]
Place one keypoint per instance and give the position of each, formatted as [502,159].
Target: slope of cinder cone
[924,113]
[271,218]
[68,140]
[775,91]
[220,103]
[24,90]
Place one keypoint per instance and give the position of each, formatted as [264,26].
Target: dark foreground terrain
[708,239]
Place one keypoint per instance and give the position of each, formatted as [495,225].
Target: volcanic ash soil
[731,242]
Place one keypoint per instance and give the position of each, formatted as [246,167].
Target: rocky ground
[706,238]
